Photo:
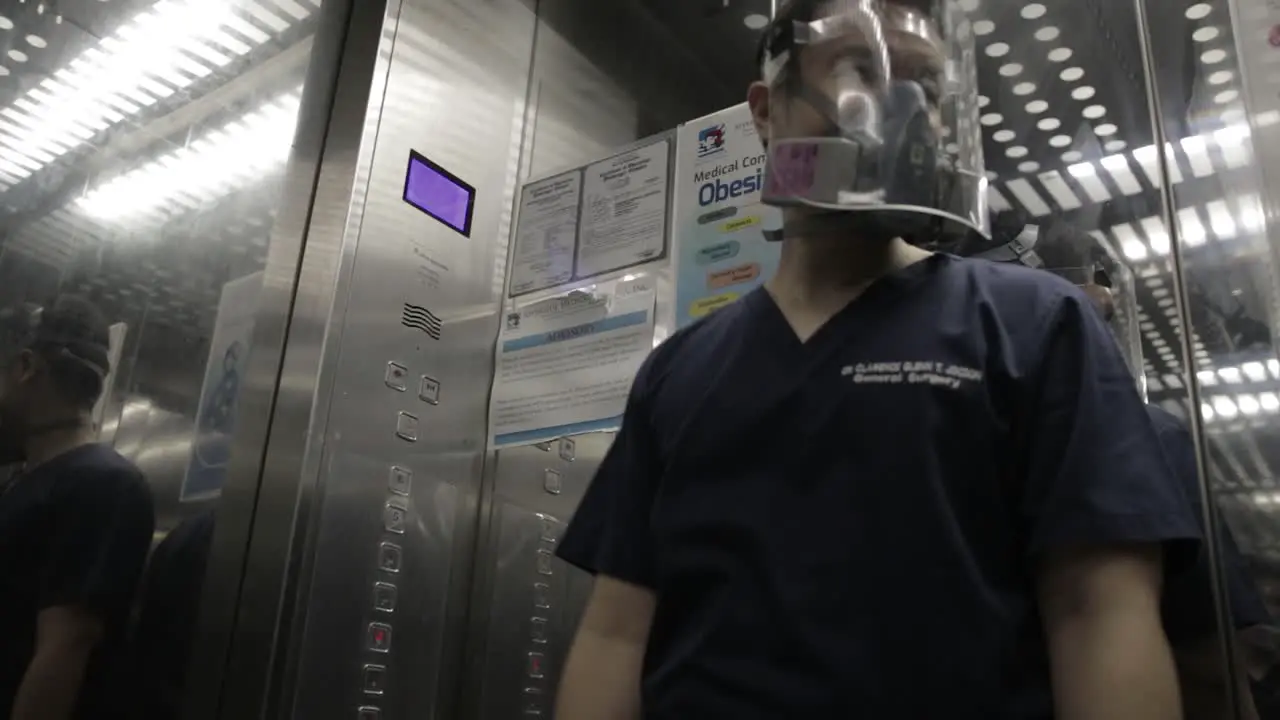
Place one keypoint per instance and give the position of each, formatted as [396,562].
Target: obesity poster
[719,246]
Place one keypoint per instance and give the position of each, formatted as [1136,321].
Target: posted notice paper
[546,233]
[624,210]
[565,365]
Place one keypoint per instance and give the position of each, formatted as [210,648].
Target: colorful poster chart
[546,233]
[565,364]
[624,210]
[220,393]
[719,247]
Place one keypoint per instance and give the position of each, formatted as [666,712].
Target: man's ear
[758,99]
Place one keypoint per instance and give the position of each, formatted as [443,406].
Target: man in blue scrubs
[892,483]
[1187,603]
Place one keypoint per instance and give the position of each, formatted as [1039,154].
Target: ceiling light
[1035,107]
[1115,145]
[1060,141]
[969,5]
[1225,97]
[983,27]
[998,49]
[1220,77]
[1002,135]
[1049,124]
[1047,33]
[157,53]
[983,101]
[1072,156]
[1198,11]
[5,23]
[1028,167]
[1072,74]
[1209,57]
[1010,69]
[1033,11]
[1093,112]
[1205,34]
[1061,54]
[1105,129]
[17,56]
[211,166]
[1081,170]
[1024,88]
[1084,92]
[755,21]
[991,119]
[1016,151]
[36,41]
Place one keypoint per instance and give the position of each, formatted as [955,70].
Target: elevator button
[368,713]
[551,481]
[384,597]
[400,481]
[533,702]
[538,630]
[544,562]
[407,427]
[548,523]
[390,557]
[375,679]
[379,637]
[393,518]
[568,448]
[535,664]
[396,376]
[429,390]
[541,595]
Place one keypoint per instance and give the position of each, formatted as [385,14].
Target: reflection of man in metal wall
[1187,603]
[75,524]
[892,483]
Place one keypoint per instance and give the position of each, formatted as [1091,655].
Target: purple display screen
[439,193]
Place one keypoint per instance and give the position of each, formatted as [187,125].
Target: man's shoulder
[99,469]
[687,346]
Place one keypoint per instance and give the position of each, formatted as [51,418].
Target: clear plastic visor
[874,106]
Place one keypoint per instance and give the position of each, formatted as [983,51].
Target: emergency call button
[379,639]
[375,679]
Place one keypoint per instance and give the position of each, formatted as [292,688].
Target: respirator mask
[1096,270]
[874,114]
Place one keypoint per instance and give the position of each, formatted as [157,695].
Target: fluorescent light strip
[1059,190]
[1028,196]
[162,50]
[211,166]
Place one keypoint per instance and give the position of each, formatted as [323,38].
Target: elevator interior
[311,357]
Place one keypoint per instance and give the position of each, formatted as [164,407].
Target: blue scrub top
[850,526]
[1187,604]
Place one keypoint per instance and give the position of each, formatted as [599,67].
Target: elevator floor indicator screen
[439,193]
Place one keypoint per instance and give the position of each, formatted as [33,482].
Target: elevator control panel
[539,637]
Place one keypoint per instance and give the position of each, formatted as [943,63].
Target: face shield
[873,109]
[1102,276]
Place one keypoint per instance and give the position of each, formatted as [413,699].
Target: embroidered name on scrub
[918,372]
